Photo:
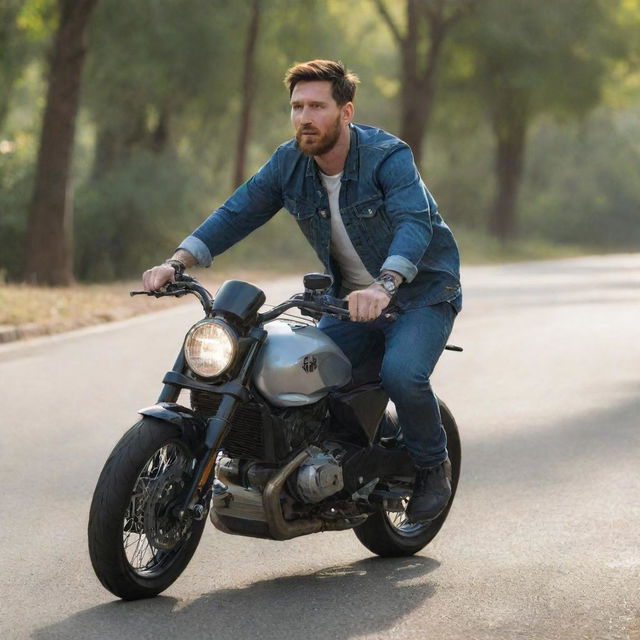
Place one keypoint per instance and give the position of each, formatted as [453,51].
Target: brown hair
[343,82]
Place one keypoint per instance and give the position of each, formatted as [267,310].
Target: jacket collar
[352,164]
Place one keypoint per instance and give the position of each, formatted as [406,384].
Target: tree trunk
[510,128]
[49,253]
[428,23]
[420,52]
[419,75]
[248,94]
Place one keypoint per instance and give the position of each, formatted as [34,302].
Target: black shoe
[431,493]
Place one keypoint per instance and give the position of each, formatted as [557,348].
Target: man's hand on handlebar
[368,304]
[157,277]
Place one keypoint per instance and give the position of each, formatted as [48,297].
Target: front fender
[192,426]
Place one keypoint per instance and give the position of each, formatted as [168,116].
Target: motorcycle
[281,439]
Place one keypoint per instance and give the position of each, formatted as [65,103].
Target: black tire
[145,471]
[379,534]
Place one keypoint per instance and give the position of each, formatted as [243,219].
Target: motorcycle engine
[319,477]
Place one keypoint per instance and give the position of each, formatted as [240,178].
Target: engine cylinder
[319,477]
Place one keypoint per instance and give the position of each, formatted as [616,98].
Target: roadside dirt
[29,311]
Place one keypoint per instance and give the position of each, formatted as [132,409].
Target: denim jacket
[390,216]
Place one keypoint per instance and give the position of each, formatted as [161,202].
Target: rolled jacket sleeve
[198,250]
[401,265]
[409,206]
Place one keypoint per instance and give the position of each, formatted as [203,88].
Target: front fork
[218,425]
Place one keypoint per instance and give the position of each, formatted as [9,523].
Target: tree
[527,59]
[49,247]
[428,23]
[248,93]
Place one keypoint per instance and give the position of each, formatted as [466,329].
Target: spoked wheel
[137,545]
[395,513]
[388,532]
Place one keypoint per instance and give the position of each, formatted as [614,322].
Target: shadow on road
[560,451]
[338,602]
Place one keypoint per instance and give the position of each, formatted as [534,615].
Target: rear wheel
[137,546]
[388,533]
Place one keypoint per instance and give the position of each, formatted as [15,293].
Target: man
[357,196]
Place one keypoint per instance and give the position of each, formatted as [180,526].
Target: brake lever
[175,291]
[338,311]
[342,311]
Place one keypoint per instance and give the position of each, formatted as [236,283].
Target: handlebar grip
[168,290]
[336,302]
[391,313]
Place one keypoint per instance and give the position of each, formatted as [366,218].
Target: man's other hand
[367,304]
[155,278]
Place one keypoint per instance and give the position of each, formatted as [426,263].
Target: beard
[323,142]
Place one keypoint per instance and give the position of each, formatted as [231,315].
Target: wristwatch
[178,265]
[388,283]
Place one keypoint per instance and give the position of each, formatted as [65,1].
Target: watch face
[388,284]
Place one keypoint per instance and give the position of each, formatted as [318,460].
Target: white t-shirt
[354,273]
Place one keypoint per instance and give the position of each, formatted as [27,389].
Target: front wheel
[137,546]
[388,533]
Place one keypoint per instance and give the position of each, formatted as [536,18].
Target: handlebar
[183,285]
[314,304]
[309,303]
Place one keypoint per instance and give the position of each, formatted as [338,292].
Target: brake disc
[161,527]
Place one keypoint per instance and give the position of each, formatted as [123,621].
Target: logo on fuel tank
[310,364]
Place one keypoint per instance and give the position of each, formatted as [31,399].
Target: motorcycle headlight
[209,348]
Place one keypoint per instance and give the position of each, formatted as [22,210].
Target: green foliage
[24,29]
[16,183]
[133,216]
[151,53]
[554,57]
[478,247]
[586,202]
[36,18]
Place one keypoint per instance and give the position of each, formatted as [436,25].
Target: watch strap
[178,265]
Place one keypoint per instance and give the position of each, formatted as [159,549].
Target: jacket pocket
[300,210]
[373,225]
[372,213]
[369,208]
[305,215]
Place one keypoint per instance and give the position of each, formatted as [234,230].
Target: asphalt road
[542,542]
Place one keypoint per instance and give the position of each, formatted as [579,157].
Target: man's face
[316,117]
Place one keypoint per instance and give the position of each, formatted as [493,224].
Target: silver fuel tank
[299,365]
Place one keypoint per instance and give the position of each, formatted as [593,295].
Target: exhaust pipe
[282,529]
[279,528]
[249,508]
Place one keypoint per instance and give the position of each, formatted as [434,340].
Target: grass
[480,248]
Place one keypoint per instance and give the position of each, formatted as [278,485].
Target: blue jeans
[411,345]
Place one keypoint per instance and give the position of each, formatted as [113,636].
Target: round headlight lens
[210,348]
